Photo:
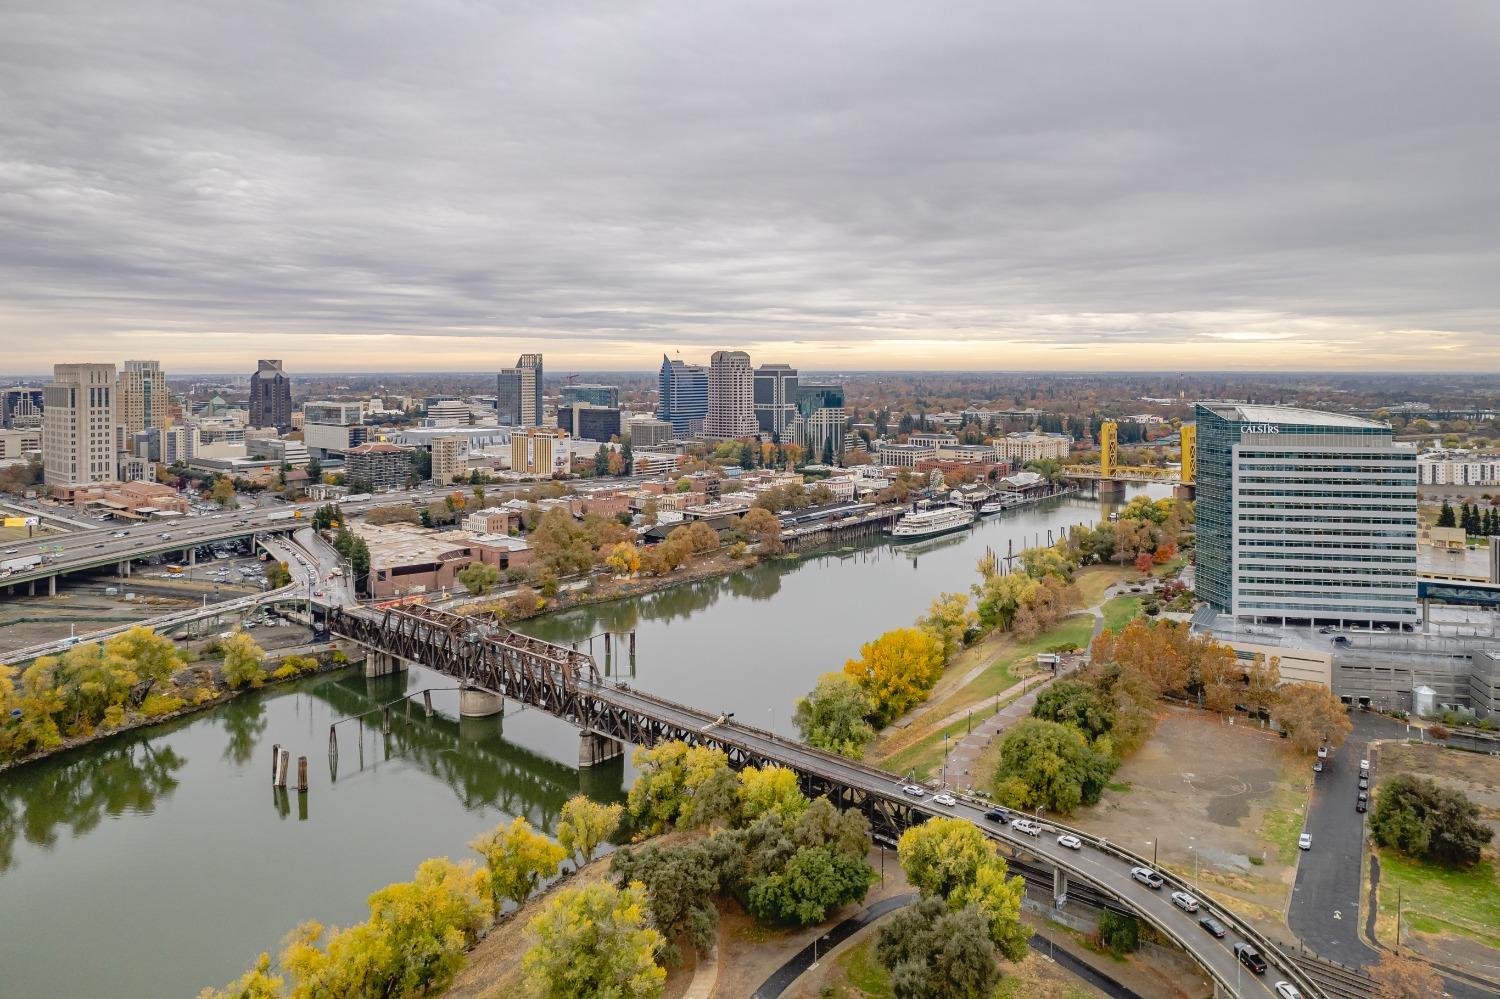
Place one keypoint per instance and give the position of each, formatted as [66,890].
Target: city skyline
[1276,188]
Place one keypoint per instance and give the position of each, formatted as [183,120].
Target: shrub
[1119,934]
[1418,817]
[1438,731]
[156,705]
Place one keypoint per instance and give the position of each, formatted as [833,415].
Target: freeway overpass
[486,657]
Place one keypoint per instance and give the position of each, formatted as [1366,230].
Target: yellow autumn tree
[624,558]
[897,670]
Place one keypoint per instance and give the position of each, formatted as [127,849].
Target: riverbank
[327,655]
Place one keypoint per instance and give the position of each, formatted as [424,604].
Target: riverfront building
[683,396]
[1305,516]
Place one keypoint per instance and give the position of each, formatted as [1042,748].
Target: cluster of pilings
[281,760]
[615,643]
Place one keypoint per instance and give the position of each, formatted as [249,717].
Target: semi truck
[19,564]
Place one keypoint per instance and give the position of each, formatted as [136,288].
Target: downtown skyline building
[1305,516]
[142,402]
[682,396]
[271,396]
[518,393]
[78,425]
[775,398]
[731,397]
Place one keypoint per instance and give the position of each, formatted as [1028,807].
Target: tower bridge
[1112,476]
[488,658]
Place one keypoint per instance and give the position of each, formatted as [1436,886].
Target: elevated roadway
[485,656]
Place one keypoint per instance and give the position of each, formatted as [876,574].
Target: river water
[148,865]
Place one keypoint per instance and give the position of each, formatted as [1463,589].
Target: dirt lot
[1450,916]
[1226,803]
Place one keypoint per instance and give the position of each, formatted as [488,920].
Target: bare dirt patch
[1217,802]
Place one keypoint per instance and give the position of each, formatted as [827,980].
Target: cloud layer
[443,184]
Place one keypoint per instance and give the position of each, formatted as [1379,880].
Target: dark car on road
[1250,958]
[996,815]
[1213,926]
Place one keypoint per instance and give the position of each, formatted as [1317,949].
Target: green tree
[942,855]
[1446,517]
[1076,703]
[627,458]
[950,619]
[278,575]
[517,858]
[813,882]
[478,578]
[584,824]
[242,661]
[835,716]
[1051,765]
[680,883]
[1424,820]
[933,953]
[594,942]
[1120,934]
[681,785]
[601,461]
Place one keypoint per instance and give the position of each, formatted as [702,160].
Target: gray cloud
[598,177]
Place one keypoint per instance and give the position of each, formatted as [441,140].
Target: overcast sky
[991,185]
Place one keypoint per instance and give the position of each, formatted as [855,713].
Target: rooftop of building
[377,448]
[1244,412]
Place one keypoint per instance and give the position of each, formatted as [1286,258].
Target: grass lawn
[1442,900]
[1093,580]
[1120,611]
[920,745]
[1284,816]
[866,978]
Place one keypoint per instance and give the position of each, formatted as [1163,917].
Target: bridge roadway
[565,683]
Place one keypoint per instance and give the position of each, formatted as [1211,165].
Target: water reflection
[77,790]
[469,755]
[244,721]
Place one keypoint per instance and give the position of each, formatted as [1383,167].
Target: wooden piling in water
[333,740]
[301,775]
[427,702]
[284,761]
[275,760]
[385,719]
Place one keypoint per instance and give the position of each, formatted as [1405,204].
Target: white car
[1070,841]
[1286,990]
[1026,826]
[1304,841]
[944,799]
[1184,901]
[913,790]
[1364,764]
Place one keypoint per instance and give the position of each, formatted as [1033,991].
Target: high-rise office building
[589,423]
[518,393]
[449,457]
[23,408]
[271,397]
[682,396]
[1305,516]
[775,397]
[141,401]
[607,396]
[538,451]
[78,425]
[821,421]
[731,397]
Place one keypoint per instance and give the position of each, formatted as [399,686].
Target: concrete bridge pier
[476,703]
[123,569]
[51,586]
[1111,491]
[1059,887]
[1185,491]
[594,749]
[379,663]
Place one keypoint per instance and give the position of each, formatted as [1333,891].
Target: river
[150,864]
